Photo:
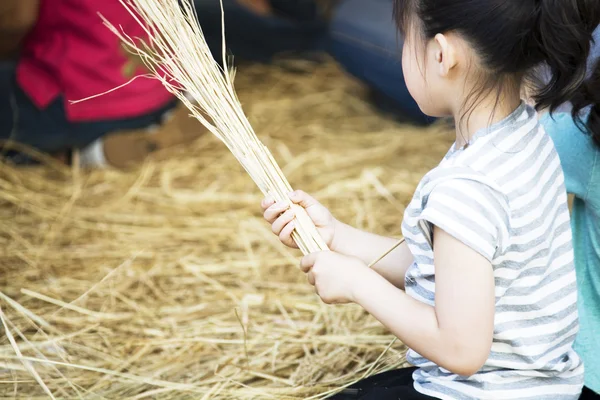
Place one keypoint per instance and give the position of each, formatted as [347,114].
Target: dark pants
[399,385]
[365,41]
[48,129]
[296,27]
[392,385]
[589,395]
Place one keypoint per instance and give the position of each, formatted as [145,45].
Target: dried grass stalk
[177,54]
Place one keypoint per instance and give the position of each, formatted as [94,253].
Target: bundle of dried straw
[178,55]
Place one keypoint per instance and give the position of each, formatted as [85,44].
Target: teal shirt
[580,159]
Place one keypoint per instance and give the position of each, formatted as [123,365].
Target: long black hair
[515,37]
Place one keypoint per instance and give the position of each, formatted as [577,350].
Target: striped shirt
[504,196]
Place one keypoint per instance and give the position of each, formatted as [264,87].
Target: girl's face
[421,67]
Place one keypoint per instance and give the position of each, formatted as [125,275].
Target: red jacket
[71,53]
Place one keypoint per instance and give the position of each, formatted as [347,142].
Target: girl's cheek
[412,78]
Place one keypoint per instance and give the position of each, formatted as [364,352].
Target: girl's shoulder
[445,174]
[465,203]
[568,136]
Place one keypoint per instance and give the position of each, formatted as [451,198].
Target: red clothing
[71,53]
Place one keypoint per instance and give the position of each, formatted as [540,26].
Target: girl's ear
[445,55]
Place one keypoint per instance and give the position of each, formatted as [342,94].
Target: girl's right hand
[281,218]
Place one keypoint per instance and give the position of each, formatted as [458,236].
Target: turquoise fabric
[580,159]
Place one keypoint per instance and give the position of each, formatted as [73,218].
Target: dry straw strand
[384,255]
[177,54]
[26,363]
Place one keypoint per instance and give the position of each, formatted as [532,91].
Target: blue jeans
[365,41]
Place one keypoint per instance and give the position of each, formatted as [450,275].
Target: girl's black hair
[514,37]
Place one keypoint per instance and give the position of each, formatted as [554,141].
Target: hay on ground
[165,283]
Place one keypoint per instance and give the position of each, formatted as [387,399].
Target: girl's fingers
[302,199]
[307,262]
[266,203]
[274,211]
[311,278]
[282,221]
[286,235]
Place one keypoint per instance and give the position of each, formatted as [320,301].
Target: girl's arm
[368,247]
[457,333]
[467,218]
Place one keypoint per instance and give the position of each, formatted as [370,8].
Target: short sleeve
[471,211]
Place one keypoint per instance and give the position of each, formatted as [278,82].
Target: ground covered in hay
[165,283]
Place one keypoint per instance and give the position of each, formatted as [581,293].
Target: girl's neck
[487,112]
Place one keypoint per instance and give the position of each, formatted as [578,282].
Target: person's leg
[7,69]
[24,123]
[48,129]
[297,10]
[365,41]
[126,145]
[258,36]
[114,142]
[84,133]
[392,385]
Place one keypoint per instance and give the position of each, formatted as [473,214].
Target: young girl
[483,292]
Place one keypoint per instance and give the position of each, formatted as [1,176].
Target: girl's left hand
[334,276]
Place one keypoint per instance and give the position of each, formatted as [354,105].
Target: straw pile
[165,283]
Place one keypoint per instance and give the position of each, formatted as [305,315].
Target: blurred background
[134,260]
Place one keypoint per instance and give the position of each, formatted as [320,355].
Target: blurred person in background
[63,52]
[359,34]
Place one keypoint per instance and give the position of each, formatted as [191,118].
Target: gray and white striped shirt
[504,196]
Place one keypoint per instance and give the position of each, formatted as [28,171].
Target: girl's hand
[335,277]
[281,218]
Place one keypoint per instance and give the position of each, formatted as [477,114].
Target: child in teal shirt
[578,145]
